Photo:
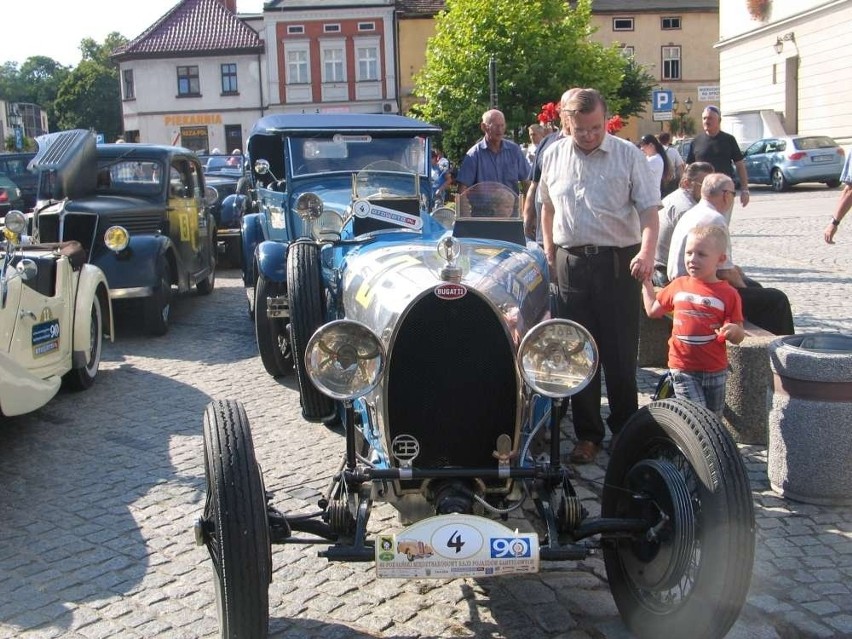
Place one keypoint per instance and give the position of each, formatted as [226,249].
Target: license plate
[822,158]
[450,546]
[45,337]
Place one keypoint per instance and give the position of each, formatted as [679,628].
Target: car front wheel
[779,182]
[688,575]
[271,332]
[84,376]
[158,306]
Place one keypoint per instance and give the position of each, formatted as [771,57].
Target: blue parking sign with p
[663,101]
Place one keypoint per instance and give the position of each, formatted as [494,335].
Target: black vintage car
[227,174]
[139,210]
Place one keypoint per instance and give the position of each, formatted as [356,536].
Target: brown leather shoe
[584,452]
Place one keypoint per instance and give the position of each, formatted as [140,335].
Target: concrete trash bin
[810,419]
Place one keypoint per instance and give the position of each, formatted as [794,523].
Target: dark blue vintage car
[298,160]
[428,335]
[140,212]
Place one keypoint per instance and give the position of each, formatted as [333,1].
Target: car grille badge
[405,449]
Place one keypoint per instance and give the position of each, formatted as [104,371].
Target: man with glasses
[599,230]
[767,308]
[493,158]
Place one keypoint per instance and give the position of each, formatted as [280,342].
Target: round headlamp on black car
[309,206]
[345,359]
[116,238]
[558,358]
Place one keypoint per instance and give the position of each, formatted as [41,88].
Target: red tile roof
[193,27]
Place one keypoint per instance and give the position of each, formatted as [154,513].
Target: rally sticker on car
[45,337]
[365,208]
[450,546]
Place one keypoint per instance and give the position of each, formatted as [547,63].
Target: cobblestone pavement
[99,490]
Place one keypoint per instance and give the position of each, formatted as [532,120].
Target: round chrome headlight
[16,222]
[116,238]
[309,206]
[558,358]
[345,359]
[328,226]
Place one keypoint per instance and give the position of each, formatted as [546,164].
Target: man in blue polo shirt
[494,159]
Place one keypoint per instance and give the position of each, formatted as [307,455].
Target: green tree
[635,91]
[42,77]
[90,99]
[541,48]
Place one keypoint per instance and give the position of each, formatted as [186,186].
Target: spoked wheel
[676,465]
[271,332]
[235,527]
[307,314]
[83,377]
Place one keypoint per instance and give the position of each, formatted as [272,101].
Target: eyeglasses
[595,130]
[730,191]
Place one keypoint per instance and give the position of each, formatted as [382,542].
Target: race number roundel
[457,541]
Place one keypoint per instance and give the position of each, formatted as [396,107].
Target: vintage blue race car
[429,335]
[297,159]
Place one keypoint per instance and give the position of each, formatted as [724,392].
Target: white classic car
[54,313]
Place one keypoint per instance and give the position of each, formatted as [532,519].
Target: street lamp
[681,115]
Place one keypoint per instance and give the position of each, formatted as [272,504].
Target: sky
[54,28]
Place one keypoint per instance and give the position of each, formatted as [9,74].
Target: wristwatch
[835,221]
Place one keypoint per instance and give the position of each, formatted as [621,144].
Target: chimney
[230,5]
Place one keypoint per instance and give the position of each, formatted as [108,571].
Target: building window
[622,24]
[333,65]
[368,64]
[229,78]
[366,26]
[129,88]
[188,82]
[667,23]
[297,67]
[331,28]
[295,29]
[628,52]
[671,63]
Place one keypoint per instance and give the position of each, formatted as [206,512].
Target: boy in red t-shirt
[707,312]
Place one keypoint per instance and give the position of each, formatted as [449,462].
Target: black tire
[158,306]
[236,523]
[832,184]
[779,182]
[271,333]
[692,580]
[307,314]
[206,286]
[233,252]
[83,377]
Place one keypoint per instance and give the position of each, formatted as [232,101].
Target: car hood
[510,278]
[108,205]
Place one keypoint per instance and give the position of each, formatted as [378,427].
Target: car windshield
[352,153]
[129,177]
[221,164]
[488,199]
[814,142]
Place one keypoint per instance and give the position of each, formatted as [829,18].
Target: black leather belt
[587,250]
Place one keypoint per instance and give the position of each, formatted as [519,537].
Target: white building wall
[754,78]
[158,114]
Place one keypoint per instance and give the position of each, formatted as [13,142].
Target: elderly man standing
[493,159]
[599,224]
[719,149]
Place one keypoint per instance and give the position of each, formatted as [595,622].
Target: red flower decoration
[549,113]
[614,124]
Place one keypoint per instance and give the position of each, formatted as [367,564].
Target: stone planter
[810,419]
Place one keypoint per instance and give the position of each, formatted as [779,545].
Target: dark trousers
[598,292]
[768,308]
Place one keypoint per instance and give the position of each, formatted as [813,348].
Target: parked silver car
[783,161]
